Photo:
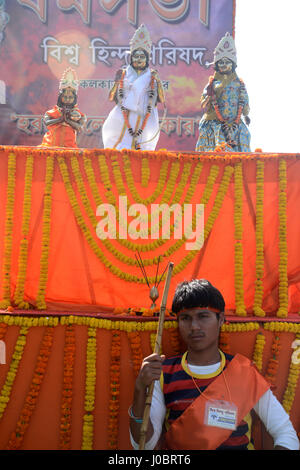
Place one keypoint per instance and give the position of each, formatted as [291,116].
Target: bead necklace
[125,111]
[228,127]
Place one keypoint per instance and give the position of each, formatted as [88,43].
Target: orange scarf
[246,387]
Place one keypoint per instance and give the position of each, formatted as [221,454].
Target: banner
[39,39]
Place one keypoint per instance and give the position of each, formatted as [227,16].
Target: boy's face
[199,328]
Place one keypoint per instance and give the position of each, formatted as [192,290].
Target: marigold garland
[258,350]
[278,326]
[90,385]
[240,327]
[166,197]
[40,299]
[283,252]
[86,231]
[23,255]
[16,439]
[131,183]
[292,381]
[145,173]
[133,329]
[218,113]
[8,234]
[153,342]
[13,368]
[134,338]
[222,190]
[82,190]
[272,367]
[114,269]
[238,235]
[67,392]
[224,341]
[3,329]
[259,236]
[114,402]
[130,261]
[177,196]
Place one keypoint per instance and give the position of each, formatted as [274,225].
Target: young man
[204,398]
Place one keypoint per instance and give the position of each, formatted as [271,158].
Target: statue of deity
[133,123]
[65,120]
[225,104]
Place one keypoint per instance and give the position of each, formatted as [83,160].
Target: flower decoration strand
[134,338]
[145,170]
[3,329]
[283,252]
[131,184]
[86,231]
[16,438]
[238,234]
[114,401]
[259,236]
[23,255]
[8,234]
[259,350]
[13,369]
[272,367]
[224,341]
[166,198]
[222,190]
[153,341]
[171,183]
[114,269]
[40,299]
[282,326]
[240,327]
[67,393]
[90,386]
[82,190]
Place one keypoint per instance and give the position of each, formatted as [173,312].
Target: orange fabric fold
[189,431]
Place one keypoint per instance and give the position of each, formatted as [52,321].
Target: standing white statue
[133,123]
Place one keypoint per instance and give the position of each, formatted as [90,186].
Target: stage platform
[75,314]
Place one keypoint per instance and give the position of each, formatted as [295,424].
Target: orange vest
[246,386]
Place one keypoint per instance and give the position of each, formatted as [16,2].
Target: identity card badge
[221,414]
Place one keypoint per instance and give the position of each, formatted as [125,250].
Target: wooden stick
[158,339]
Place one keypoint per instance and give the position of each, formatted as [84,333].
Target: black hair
[146,54]
[60,104]
[197,293]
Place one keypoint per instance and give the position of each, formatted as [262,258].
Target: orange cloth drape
[18,373]
[80,271]
[189,431]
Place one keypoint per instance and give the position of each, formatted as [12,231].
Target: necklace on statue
[229,127]
[137,132]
